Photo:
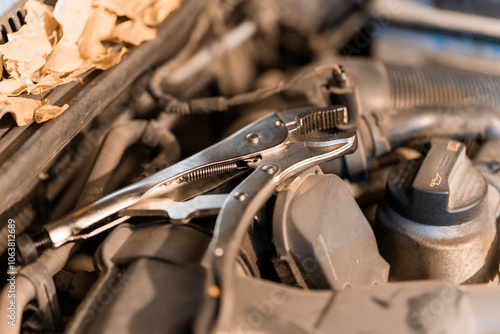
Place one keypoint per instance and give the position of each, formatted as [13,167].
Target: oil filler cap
[442,189]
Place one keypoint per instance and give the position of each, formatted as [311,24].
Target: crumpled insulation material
[57,44]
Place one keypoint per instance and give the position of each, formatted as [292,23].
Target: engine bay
[262,167]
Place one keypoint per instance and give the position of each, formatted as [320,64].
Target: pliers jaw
[307,120]
[314,137]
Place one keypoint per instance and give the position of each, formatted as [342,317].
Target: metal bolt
[269,169]
[213,291]
[277,123]
[253,138]
[240,196]
[219,252]
[43,176]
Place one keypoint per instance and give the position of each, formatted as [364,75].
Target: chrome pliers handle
[282,141]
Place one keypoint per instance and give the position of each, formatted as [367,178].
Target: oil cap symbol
[442,189]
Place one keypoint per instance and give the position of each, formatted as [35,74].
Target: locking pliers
[279,144]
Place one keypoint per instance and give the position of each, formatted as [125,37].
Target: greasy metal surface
[466,253]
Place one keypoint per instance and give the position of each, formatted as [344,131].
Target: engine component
[137,275]
[321,233]
[439,222]
[285,212]
[340,89]
[385,86]
[409,307]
